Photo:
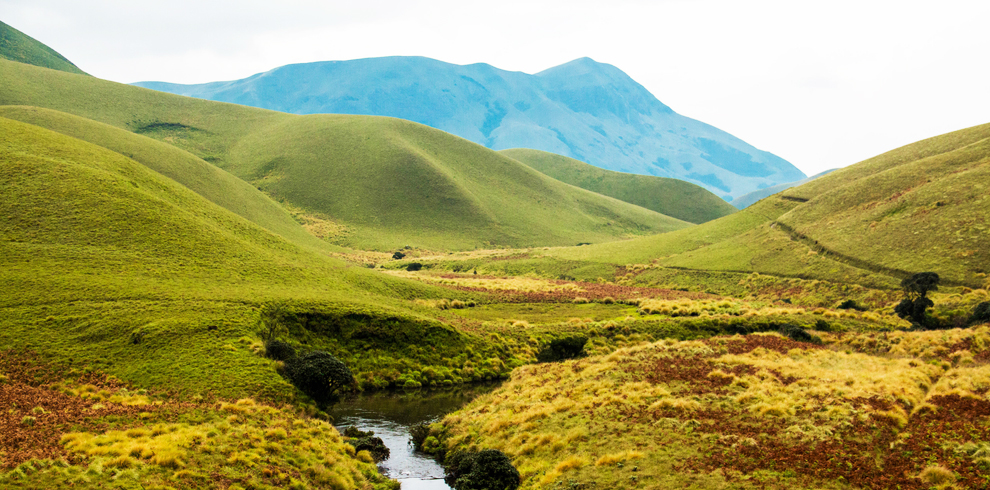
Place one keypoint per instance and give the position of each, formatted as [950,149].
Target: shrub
[418,434]
[850,304]
[488,469]
[398,256]
[415,266]
[366,441]
[795,332]
[981,314]
[279,350]
[319,375]
[561,349]
[823,326]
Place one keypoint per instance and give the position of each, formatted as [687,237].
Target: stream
[391,414]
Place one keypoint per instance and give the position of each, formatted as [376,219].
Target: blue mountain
[583,109]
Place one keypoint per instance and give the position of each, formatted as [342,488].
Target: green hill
[676,198]
[406,184]
[918,208]
[97,249]
[17,46]
[210,182]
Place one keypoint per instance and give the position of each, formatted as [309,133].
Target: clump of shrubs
[488,469]
[414,266]
[279,350]
[366,441]
[562,349]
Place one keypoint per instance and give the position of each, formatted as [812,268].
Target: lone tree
[488,469]
[319,375]
[915,302]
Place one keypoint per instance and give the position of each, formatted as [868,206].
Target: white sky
[822,84]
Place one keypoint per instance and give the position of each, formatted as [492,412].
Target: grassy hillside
[676,198]
[918,208]
[205,179]
[17,46]
[406,184]
[110,264]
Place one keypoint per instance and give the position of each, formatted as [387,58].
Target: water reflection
[391,414]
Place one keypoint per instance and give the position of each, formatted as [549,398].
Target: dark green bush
[418,434]
[415,266]
[366,441]
[398,255]
[795,332]
[822,326]
[561,349]
[319,375]
[981,314]
[488,469]
[850,304]
[279,350]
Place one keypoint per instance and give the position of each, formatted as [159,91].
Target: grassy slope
[17,46]
[454,194]
[212,183]
[97,249]
[921,207]
[672,197]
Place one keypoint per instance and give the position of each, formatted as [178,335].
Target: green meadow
[151,245]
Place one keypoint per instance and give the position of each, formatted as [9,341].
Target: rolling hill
[17,46]
[381,182]
[583,109]
[918,208]
[672,197]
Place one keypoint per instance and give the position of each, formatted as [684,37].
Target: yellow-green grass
[19,47]
[757,411]
[207,180]
[392,183]
[672,197]
[86,435]
[107,262]
[918,208]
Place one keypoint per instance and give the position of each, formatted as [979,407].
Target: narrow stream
[391,414]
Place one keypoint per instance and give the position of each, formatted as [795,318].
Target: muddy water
[391,414]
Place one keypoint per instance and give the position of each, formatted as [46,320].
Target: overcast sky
[821,84]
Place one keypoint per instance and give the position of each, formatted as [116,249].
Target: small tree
[916,302]
[319,375]
[488,469]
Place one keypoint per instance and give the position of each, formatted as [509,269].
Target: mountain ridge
[583,109]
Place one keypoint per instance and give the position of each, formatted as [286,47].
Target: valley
[177,272]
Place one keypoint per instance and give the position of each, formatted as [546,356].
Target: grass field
[757,411]
[407,184]
[146,241]
[672,197]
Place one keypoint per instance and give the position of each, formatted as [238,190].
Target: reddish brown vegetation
[29,386]
[589,290]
